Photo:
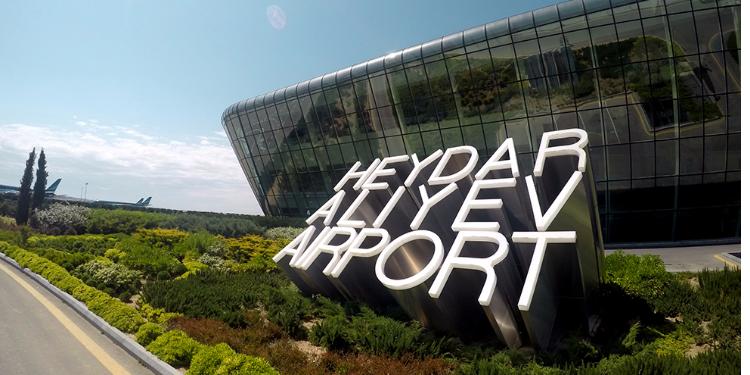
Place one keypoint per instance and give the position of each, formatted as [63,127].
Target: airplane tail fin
[139,201]
[53,187]
[146,202]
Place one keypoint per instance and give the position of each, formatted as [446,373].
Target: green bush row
[178,349]
[148,332]
[67,260]
[376,334]
[128,221]
[222,360]
[113,278]
[86,243]
[647,363]
[155,263]
[643,276]
[114,312]
[716,298]
[224,295]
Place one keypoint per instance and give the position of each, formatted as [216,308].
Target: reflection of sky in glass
[276,17]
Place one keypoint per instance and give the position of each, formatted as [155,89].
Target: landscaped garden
[202,293]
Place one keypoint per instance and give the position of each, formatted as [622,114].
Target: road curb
[121,339]
[729,260]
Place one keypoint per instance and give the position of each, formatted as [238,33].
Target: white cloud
[203,166]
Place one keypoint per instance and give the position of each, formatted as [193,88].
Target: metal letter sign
[464,248]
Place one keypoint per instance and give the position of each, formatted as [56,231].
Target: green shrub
[214,262]
[331,333]
[673,344]
[382,335]
[721,291]
[286,308]
[148,333]
[175,348]
[102,220]
[112,278]
[60,218]
[283,233]
[69,261]
[9,236]
[196,243]
[679,298]
[160,238]
[192,266]
[371,333]
[642,276]
[87,243]
[222,360]
[155,315]
[255,249]
[279,221]
[714,362]
[108,221]
[209,359]
[153,262]
[499,363]
[219,295]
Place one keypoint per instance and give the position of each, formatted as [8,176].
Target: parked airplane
[14,190]
[140,203]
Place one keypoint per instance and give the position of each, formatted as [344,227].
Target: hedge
[222,360]
[178,349]
[175,347]
[148,333]
[118,314]
[93,244]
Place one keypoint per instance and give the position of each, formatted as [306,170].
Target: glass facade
[655,83]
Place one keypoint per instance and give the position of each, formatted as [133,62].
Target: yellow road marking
[727,262]
[108,362]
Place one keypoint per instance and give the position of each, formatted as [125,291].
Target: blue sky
[127,95]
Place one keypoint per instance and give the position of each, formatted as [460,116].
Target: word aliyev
[444,180]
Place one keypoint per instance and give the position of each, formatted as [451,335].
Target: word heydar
[458,231]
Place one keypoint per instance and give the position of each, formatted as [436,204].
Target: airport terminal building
[655,83]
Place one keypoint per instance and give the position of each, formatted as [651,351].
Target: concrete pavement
[688,259]
[41,335]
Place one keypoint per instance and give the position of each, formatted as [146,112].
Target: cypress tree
[24,195]
[40,185]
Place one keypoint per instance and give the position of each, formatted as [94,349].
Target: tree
[40,186]
[24,195]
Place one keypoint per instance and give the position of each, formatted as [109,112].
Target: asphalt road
[41,335]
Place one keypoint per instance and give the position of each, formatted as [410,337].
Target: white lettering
[428,202]
[472,203]
[437,179]
[356,251]
[575,149]
[328,209]
[323,246]
[420,276]
[381,171]
[495,162]
[486,265]
[360,176]
[420,165]
[541,239]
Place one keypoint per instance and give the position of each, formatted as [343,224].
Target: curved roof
[502,27]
